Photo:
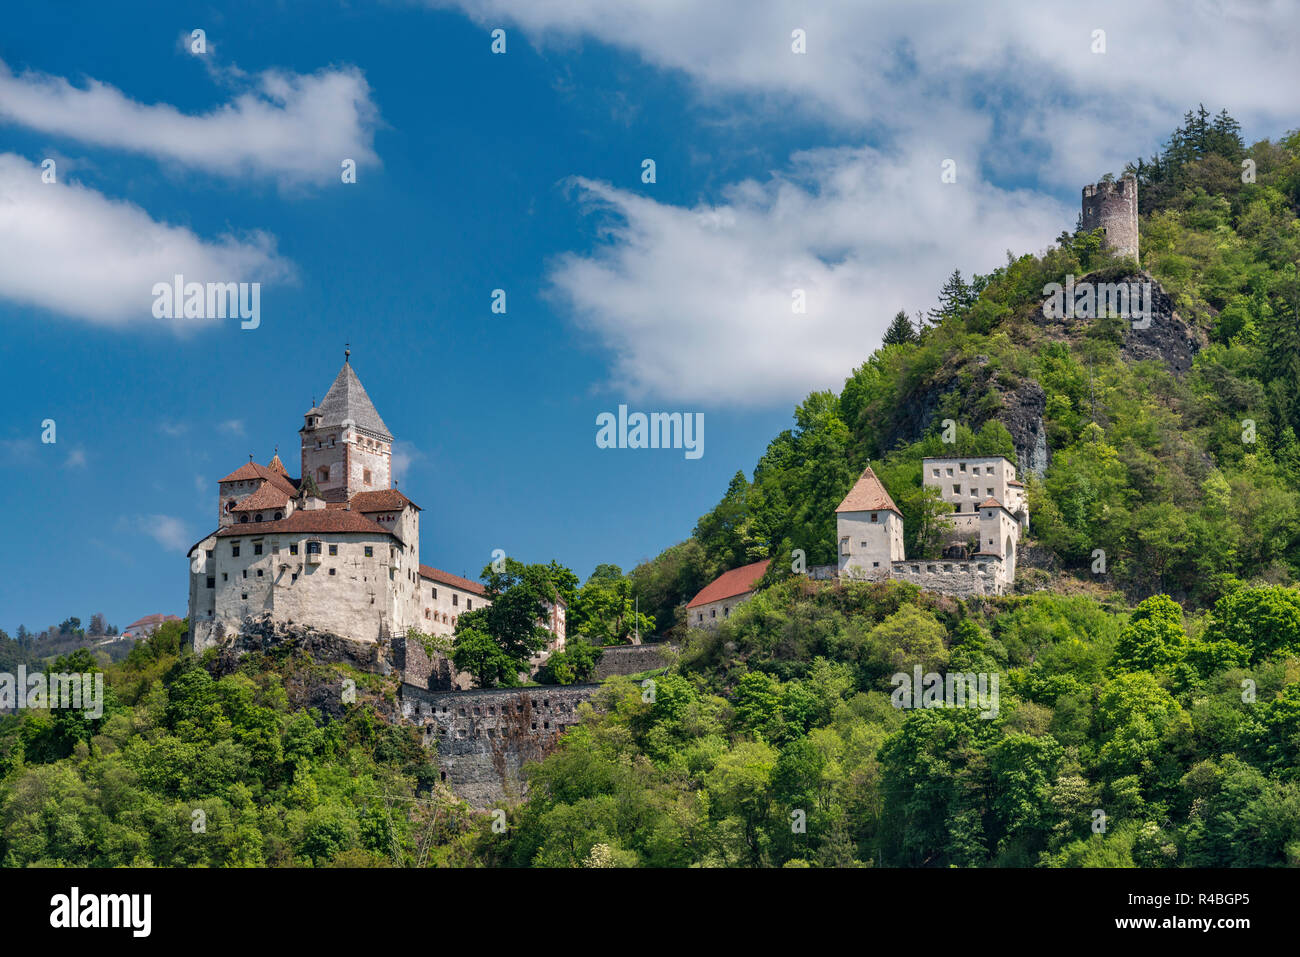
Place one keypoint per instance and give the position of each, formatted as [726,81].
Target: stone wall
[962,578]
[634,659]
[415,666]
[484,738]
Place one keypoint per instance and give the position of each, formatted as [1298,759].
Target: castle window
[990,491]
[209,553]
[365,476]
[243,518]
[279,515]
[726,611]
[934,472]
[245,572]
[259,573]
[844,546]
[875,564]
[334,549]
[331,571]
[313,548]
[259,517]
[322,474]
[873,516]
[701,618]
[455,599]
[956,490]
[958,507]
[435,594]
[234,549]
[949,471]
[426,614]
[963,466]
[469,604]
[244,596]
[294,578]
[212,583]
[370,551]
[293,548]
[332,438]
[713,613]
[225,577]
[257,548]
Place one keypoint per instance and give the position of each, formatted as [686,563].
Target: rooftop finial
[347,352]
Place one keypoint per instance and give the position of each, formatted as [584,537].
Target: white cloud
[404,454]
[173,429]
[169,532]
[70,249]
[76,458]
[889,67]
[232,427]
[293,128]
[696,304]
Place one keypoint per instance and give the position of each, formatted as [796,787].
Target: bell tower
[346,448]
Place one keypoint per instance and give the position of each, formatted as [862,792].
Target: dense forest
[1149,714]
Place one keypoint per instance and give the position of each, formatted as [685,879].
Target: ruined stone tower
[1114,208]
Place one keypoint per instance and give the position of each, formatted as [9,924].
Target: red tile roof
[251,471]
[738,581]
[267,496]
[310,520]
[275,465]
[455,581]
[868,495]
[383,500]
[994,503]
[1015,483]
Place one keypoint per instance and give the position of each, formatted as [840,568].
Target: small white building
[869,527]
[967,482]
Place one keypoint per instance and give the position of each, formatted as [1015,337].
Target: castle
[337,549]
[1113,206]
[980,536]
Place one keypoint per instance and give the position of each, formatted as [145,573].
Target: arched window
[279,515]
[229,506]
[244,517]
[259,516]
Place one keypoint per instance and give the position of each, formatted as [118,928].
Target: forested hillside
[1184,477]
[1148,714]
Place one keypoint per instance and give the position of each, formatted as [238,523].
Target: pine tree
[900,331]
[955,298]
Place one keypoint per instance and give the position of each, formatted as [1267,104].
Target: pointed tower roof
[275,465]
[346,401]
[868,495]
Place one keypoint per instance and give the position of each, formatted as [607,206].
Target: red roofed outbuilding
[717,599]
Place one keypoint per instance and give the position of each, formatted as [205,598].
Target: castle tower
[346,448]
[1114,208]
[869,527]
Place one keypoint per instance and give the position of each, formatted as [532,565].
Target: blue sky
[522,171]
